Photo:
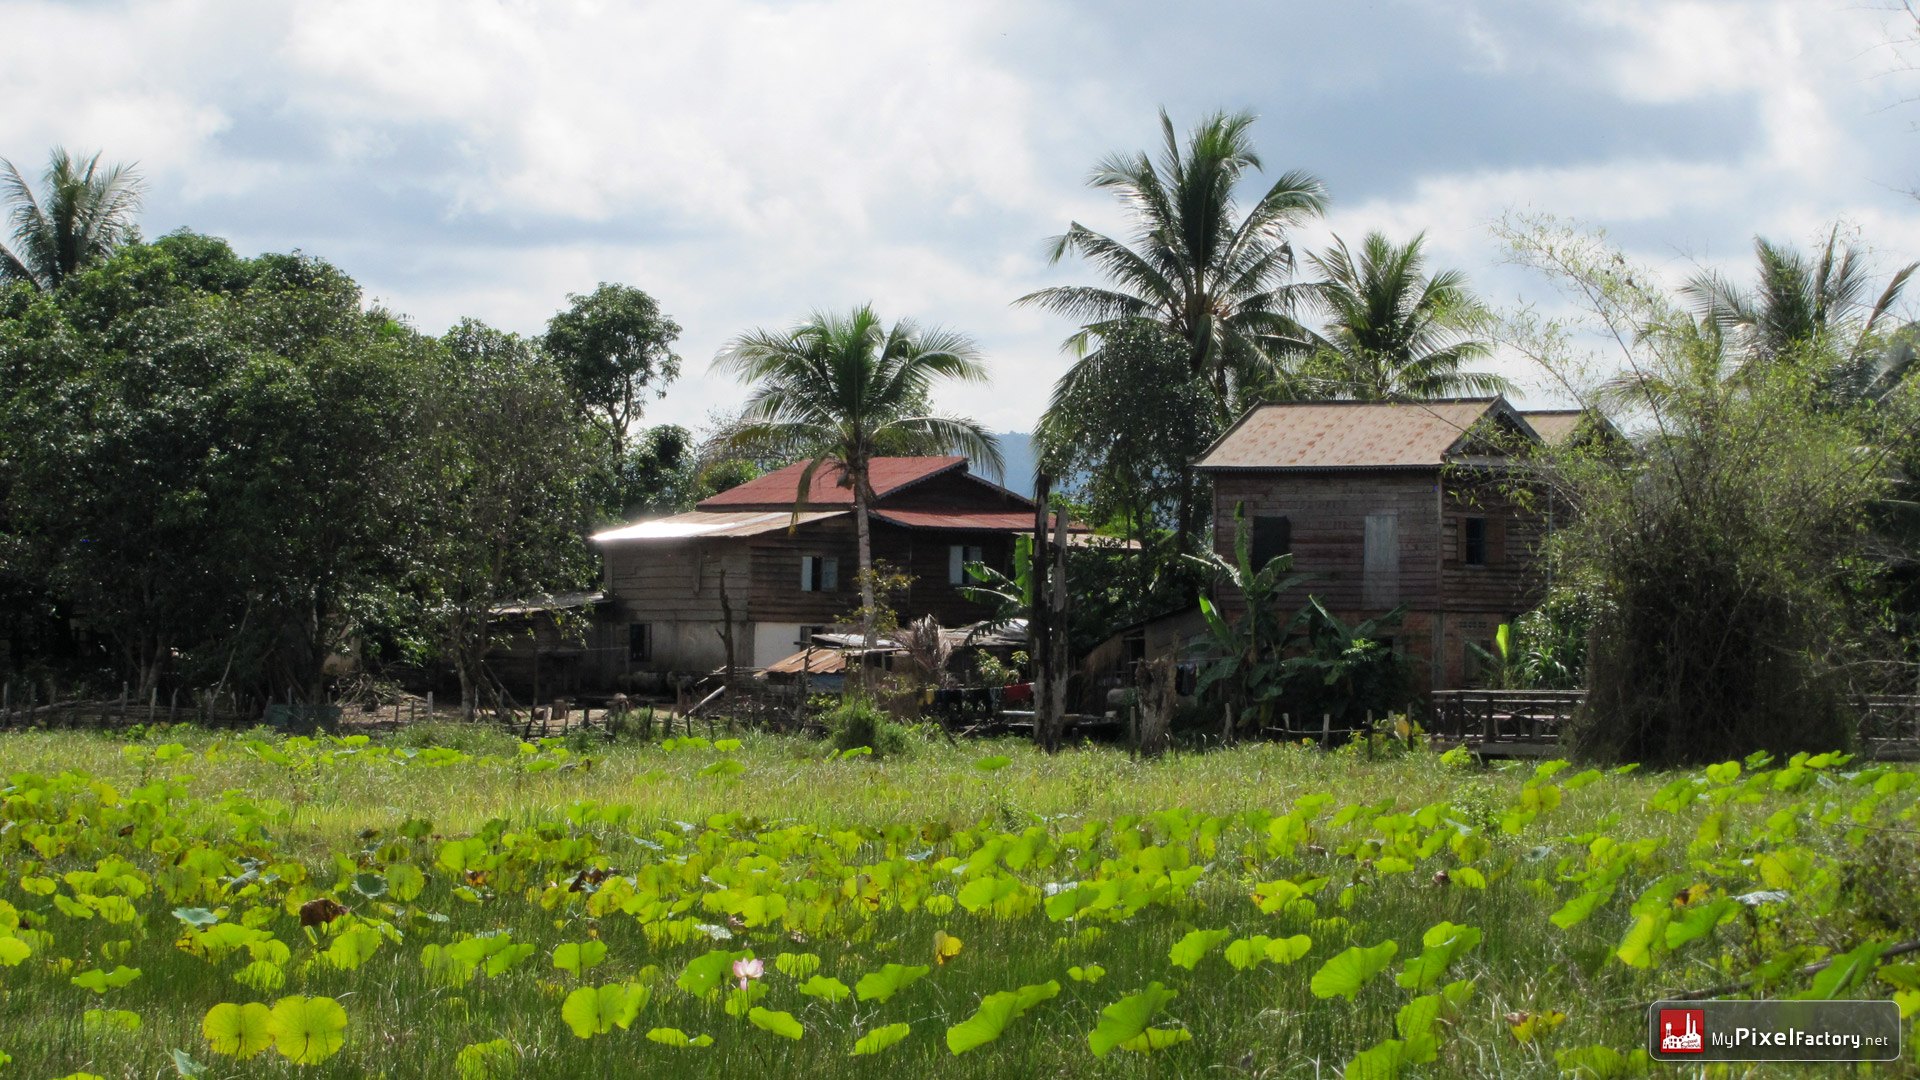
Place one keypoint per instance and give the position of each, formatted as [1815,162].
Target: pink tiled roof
[1347,435]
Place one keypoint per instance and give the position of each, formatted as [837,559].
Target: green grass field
[501,910]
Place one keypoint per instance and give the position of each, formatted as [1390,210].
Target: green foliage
[1313,664]
[82,214]
[237,469]
[1393,332]
[780,1023]
[1189,950]
[859,721]
[1346,973]
[1123,1024]
[614,346]
[846,389]
[210,454]
[1217,284]
[1713,877]
[591,1011]
[1731,557]
[879,1039]
[996,1011]
[888,981]
[1123,426]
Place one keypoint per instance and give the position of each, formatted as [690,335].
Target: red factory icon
[1680,1031]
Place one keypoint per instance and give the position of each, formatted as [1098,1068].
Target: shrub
[466,738]
[860,721]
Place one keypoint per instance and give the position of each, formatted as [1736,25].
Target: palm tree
[1822,309]
[849,390]
[83,213]
[1218,282]
[1221,285]
[1392,331]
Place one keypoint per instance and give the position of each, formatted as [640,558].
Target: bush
[860,721]
[466,738]
[1735,584]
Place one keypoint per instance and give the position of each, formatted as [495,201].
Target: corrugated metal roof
[705,524]
[782,486]
[1013,521]
[812,661]
[567,601]
[1555,426]
[1347,435]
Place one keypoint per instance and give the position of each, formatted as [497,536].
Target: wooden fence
[1529,723]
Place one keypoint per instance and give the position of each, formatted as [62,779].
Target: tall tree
[1392,331]
[82,213]
[209,457]
[1220,282]
[1735,587]
[615,347]
[1123,426]
[508,517]
[1802,307]
[851,389]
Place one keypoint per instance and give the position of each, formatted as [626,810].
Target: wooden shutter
[1380,577]
[1496,541]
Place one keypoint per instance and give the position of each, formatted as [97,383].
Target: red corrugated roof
[782,486]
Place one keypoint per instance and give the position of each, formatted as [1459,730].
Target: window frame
[1474,549]
[1257,546]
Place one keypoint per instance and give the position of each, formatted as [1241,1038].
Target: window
[639,641]
[958,556]
[1380,578]
[1473,541]
[1473,665]
[819,573]
[1272,537]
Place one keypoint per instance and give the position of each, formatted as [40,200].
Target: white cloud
[748,161]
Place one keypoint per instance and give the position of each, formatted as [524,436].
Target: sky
[749,162]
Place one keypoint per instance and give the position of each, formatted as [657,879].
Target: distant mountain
[1017,448]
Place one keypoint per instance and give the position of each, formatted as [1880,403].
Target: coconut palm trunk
[845,388]
[863,532]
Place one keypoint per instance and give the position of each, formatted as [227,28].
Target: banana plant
[1010,598]
[1341,669]
[1251,663]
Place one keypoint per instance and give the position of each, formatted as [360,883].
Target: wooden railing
[1524,722]
[1503,716]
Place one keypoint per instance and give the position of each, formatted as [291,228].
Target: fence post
[429,706]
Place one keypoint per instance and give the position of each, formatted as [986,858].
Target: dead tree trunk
[1059,673]
[1157,697]
[726,634]
[1040,641]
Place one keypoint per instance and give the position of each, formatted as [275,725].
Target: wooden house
[744,555]
[1390,504]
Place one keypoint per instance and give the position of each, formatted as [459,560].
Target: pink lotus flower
[747,970]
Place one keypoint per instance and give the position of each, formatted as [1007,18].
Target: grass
[869,857]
